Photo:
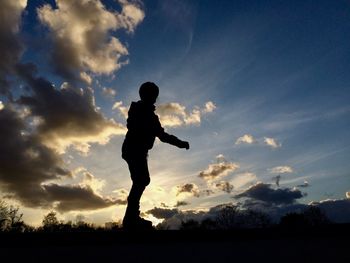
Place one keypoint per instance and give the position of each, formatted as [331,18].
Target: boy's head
[149,92]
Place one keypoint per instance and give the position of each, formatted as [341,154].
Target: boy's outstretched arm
[173,140]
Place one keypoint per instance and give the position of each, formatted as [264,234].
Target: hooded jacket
[143,127]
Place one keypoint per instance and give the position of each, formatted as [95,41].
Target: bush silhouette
[311,217]
[11,219]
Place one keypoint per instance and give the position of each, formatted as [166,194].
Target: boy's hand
[185,145]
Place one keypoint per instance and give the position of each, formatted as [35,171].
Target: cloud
[218,170]
[174,114]
[89,179]
[1,105]
[80,35]
[25,162]
[209,107]
[249,139]
[27,166]
[337,210]
[225,186]
[190,188]
[304,184]
[277,179]
[86,78]
[77,197]
[181,203]
[173,218]
[281,170]
[347,194]
[10,43]
[108,92]
[68,115]
[246,138]
[242,179]
[264,192]
[272,142]
[122,109]
[162,213]
[207,192]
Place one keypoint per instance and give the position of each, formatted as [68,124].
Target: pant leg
[140,179]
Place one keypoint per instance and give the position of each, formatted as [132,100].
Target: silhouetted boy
[143,126]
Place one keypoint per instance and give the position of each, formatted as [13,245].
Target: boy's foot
[137,224]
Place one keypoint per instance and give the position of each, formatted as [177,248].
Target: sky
[260,89]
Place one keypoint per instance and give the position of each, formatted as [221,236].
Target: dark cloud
[174,217]
[337,210]
[76,197]
[181,203]
[277,180]
[188,188]
[162,213]
[10,45]
[305,184]
[24,161]
[225,186]
[68,116]
[26,164]
[264,192]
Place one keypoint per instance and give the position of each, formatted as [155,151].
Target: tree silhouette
[311,217]
[315,216]
[228,217]
[254,219]
[10,218]
[208,224]
[50,221]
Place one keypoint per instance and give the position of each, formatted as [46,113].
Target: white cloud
[86,78]
[220,158]
[249,139]
[347,194]
[1,105]
[174,114]
[281,169]
[80,34]
[246,138]
[122,109]
[131,15]
[218,170]
[272,142]
[242,179]
[69,117]
[109,92]
[209,107]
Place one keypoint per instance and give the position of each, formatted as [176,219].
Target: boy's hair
[148,91]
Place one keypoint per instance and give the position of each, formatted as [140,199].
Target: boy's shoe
[137,223]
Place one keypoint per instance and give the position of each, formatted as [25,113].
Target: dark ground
[327,244]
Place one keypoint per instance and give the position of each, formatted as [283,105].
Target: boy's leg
[140,177]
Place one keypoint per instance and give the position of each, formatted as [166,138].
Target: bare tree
[10,218]
[228,217]
[50,221]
